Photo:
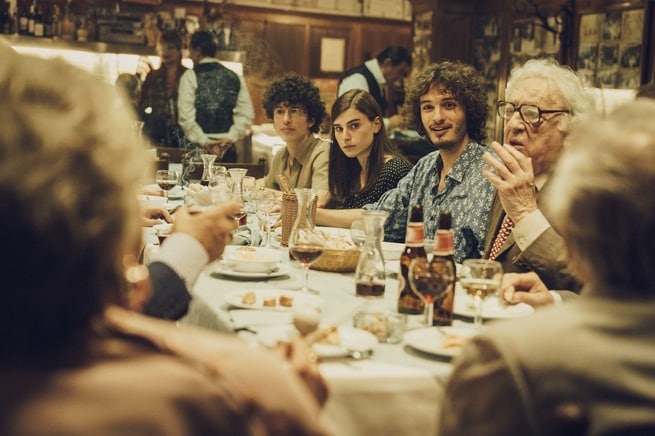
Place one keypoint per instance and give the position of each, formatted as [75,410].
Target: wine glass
[268,211]
[247,188]
[358,233]
[480,278]
[166,179]
[306,245]
[428,282]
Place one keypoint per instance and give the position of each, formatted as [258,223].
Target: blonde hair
[69,168]
[602,198]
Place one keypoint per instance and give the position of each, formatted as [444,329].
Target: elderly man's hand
[154,215]
[304,362]
[212,228]
[525,288]
[514,180]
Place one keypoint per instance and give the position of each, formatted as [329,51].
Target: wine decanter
[370,275]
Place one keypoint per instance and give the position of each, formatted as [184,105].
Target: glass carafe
[207,167]
[370,275]
[306,244]
[236,175]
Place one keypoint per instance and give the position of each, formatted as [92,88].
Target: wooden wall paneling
[288,42]
[317,33]
[376,37]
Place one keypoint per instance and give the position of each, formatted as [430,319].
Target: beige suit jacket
[147,377]
[592,357]
[546,255]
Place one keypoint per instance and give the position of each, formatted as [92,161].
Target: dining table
[390,389]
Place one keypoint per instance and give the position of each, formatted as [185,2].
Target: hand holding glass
[480,278]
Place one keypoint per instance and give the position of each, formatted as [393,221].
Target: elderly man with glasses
[542,102]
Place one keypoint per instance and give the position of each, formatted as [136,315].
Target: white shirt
[243,113]
[358,81]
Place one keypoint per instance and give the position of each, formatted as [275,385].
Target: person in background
[390,65]
[543,102]
[75,354]
[446,102]
[159,93]
[294,104]
[584,367]
[363,162]
[130,89]
[215,109]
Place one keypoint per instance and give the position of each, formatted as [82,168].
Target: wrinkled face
[354,132]
[542,141]
[291,123]
[169,53]
[444,119]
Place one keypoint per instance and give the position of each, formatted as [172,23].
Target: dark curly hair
[296,90]
[463,82]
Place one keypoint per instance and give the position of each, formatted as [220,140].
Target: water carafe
[370,275]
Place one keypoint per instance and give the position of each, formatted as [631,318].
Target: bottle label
[443,242]
[415,235]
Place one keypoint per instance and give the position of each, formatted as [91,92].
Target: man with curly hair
[294,104]
[447,104]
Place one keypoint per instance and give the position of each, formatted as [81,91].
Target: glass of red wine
[306,245]
[427,284]
[167,180]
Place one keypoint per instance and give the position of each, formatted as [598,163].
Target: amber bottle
[408,301]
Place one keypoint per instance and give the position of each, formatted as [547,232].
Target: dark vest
[216,97]
[373,85]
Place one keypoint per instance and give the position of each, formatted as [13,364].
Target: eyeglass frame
[293,111]
[518,109]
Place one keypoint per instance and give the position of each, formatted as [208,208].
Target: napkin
[247,235]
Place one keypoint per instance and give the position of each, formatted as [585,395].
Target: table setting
[385,371]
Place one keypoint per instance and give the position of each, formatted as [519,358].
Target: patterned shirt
[392,171]
[467,195]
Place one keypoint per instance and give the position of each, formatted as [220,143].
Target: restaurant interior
[322,39]
[389,386]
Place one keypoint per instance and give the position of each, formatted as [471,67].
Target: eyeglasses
[530,113]
[294,112]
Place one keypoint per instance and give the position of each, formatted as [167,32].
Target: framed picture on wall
[328,52]
[610,49]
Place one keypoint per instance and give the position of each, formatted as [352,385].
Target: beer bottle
[442,266]
[408,301]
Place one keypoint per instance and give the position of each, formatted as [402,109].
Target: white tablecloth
[396,391]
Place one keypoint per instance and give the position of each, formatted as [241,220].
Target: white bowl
[252,260]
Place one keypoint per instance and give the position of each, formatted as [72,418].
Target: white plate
[236,299]
[491,308]
[224,269]
[352,339]
[430,339]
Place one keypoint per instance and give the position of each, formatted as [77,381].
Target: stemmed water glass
[428,282]
[480,278]
[268,211]
[166,179]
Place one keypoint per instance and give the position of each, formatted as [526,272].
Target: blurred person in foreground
[542,103]
[75,355]
[584,367]
[159,93]
[390,65]
[363,162]
[294,104]
[215,109]
[446,102]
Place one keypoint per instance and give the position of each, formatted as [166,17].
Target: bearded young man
[447,104]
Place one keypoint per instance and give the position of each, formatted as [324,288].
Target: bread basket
[337,260]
